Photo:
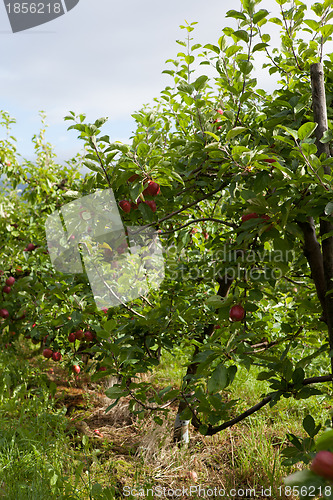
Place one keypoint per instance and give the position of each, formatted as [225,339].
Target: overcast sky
[102,58]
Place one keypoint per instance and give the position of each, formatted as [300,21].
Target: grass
[49,448]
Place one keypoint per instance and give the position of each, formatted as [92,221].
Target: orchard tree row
[237,181]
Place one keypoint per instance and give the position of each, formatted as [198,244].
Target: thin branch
[289,36]
[214,430]
[142,228]
[233,226]
[100,161]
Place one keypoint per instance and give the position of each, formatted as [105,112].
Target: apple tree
[238,183]
[37,303]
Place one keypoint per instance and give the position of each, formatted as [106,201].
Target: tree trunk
[181,427]
[320,117]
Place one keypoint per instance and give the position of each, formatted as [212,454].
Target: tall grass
[44,456]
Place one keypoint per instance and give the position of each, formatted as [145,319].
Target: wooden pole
[320,117]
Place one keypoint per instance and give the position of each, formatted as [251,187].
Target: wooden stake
[320,117]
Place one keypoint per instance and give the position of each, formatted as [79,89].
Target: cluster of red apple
[48,353]
[79,335]
[9,283]
[56,356]
[72,337]
[153,189]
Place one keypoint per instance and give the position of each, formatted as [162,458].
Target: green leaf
[327,136]
[314,25]
[200,82]
[242,35]
[213,48]
[143,149]
[92,166]
[110,325]
[326,30]
[232,370]
[235,131]
[216,137]
[215,301]
[259,46]
[276,20]
[329,208]
[71,194]
[309,425]
[230,51]
[115,392]
[258,16]
[298,375]
[245,67]
[186,87]
[306,130]
[218,380]
[308,149]
[235,14]
[290,131]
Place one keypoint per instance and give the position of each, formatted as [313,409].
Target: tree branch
[214,430]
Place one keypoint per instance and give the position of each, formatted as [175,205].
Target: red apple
[6,289]
[19,270]
[105,310]
[220,111]
[246,217]
[152,189]
[151,204]
[10,281]
[76,369]
[217,327]
[30,247]
[322,464]
[134,206]
[89,335]
[56,356]
[102,369]
[1,272]
[125,205]
[4,313]
[236,313]
[79,334]
[71,337]
[47,353]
